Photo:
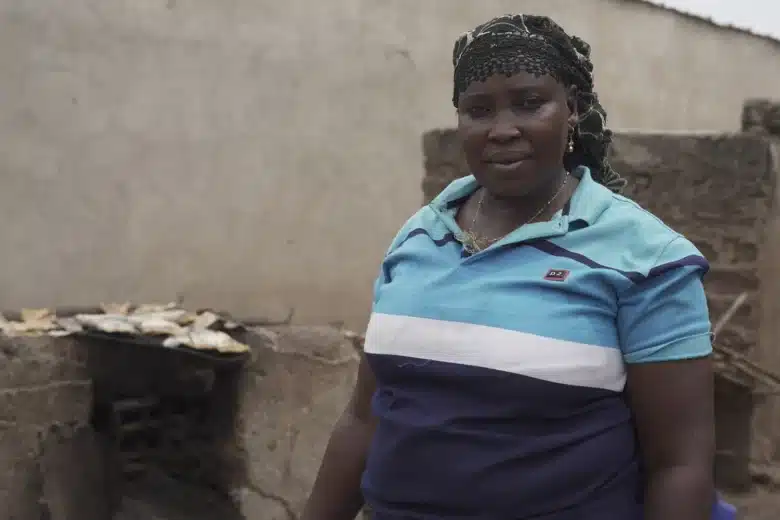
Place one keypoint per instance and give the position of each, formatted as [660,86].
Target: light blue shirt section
[630,282]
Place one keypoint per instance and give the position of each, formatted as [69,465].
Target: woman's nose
[505,127]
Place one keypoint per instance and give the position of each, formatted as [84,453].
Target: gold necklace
[473,243]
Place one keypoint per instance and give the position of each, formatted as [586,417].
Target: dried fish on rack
[68,326]
[161,324]
[117,308]
[206,320]
[108,323]
[33,322]
[177,316]
[159,327]
[36,315]
[207,340]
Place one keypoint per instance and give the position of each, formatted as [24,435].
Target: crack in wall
[282,502]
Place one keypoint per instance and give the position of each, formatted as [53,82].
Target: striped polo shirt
[500,375]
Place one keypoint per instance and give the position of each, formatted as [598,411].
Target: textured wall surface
[295,391]
[44,383]
[288,400]
[443,162]
[762,117]
[259,155]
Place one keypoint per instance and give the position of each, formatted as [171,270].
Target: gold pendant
[470,243]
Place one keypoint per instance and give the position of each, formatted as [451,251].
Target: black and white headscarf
[535,44]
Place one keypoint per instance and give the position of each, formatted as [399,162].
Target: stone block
[157,496]
[294,391]
[43,381]
[761,116]
[74,475]
[31,361]
[443,161]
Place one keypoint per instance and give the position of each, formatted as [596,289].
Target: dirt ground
[757,505]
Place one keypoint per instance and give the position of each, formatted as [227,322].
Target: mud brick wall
[287,400]
[717,191]
[762,117]
[293,392]
[443,161]
[45,401]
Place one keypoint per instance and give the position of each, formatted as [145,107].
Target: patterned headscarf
[535,44]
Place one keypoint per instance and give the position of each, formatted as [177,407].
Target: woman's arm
[673,409]
[664,328]
[336,494]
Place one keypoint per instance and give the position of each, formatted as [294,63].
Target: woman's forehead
[519,81]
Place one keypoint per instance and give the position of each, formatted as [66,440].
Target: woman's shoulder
[422,221]
[427,219]
[649,239]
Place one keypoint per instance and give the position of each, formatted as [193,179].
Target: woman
[539,346]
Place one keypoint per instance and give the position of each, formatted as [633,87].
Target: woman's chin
[510,180]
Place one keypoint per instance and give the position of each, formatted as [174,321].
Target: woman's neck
[539,205]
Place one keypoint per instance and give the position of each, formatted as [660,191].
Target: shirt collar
[588,202]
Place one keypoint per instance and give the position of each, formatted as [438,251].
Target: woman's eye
[478,111]
[530,103]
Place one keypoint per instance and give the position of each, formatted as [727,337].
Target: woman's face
[515,131]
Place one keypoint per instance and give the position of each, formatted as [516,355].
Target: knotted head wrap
[535,44]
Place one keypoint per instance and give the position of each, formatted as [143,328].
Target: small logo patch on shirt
[557,275]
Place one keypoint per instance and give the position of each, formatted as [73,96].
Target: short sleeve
[384,272]
[380,280]
[664,315]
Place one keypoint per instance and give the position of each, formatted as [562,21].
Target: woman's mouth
[507,162]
